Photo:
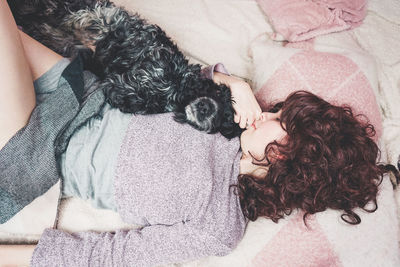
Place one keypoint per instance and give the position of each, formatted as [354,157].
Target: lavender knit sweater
[173,180]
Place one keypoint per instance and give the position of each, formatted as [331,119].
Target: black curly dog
[141,70]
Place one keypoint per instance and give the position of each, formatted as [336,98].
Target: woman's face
[264,131]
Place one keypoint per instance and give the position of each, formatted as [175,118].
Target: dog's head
[210,109]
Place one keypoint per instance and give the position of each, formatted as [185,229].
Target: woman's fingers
[241,120]
[253,117]
[236,118]
[259,115]
[245,120]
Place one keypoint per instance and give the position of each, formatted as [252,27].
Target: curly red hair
[328,160]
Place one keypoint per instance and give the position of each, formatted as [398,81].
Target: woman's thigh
[22,61]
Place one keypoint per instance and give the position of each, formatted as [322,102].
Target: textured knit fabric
[171,179]
[89,162]
[27,168]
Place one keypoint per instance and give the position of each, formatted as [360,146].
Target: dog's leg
[42,20]
[91,25]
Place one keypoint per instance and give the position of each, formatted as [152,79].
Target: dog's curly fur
[142,71]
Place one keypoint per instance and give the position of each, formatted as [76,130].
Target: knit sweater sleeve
[208,72]
[148,246]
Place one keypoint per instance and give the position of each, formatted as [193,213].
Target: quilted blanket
[359,65]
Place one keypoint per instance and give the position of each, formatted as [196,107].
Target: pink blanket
[299,20]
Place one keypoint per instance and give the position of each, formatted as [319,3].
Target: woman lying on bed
[192,193]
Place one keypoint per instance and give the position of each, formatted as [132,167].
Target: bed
[240,34]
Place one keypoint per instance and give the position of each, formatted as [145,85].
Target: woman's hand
[16,255]
[247,109]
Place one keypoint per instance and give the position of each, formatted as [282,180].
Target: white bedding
[211,31]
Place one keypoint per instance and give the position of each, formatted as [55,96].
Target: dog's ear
[229,128]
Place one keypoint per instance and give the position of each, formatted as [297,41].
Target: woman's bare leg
[22,61]
[40,58]
[17,97]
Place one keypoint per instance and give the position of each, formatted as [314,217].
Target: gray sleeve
[149,246]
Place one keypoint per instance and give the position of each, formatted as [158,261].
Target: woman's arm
[246,107]
[150,246]
[15,255]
